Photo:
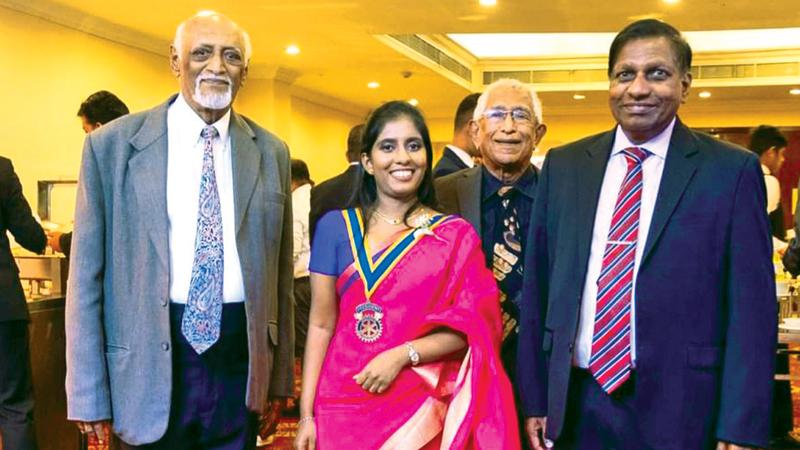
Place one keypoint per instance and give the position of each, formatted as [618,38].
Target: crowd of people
[620,297]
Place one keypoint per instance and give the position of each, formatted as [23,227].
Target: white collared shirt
[184,169]
[301,207]
[773,189]
[462,155]
[616,169]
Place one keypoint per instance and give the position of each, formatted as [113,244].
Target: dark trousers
[782,420]
[596,420]
[302,306]
[508,356]
[208,409]
[16,387]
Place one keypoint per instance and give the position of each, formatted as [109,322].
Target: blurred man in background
[98,109]
[769,144]
[461,154]
[336,193]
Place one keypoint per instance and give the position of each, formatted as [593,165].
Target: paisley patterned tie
[507,264]
[203,313]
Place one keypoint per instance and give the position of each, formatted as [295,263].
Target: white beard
[212,100]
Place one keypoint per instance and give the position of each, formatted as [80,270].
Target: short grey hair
[536,104]
[178,41]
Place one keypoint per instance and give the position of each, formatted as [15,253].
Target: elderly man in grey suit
[179,304]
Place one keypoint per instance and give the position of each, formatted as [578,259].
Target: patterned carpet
[287,426]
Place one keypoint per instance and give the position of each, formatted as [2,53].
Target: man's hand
[53,240]
[728,446]
[534,431]
[101,429]
[268,422]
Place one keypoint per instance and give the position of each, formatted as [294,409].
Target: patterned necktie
[611,343]
[507,261]
[203,313]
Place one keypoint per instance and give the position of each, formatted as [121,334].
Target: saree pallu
[464,401]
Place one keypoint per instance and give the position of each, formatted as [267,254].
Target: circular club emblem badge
[368,322]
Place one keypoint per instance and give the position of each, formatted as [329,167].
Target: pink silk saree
[428,279]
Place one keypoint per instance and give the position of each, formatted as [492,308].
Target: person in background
[301,251]
[769,144]
[337,192]
[461,154]
[649,317]
[98,109]
[179,316]
[497,196]
[401,304]
[16,386]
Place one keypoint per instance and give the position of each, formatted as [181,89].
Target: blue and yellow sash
[373,273]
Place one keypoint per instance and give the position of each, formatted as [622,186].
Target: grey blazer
[119,362]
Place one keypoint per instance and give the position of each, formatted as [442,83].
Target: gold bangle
[304,420]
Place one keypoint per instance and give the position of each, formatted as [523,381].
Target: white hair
[178,41]
[536,104]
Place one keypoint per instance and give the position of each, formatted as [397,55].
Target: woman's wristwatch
[413,355]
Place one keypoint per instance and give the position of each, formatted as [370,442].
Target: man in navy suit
[459,154]
[648,316]
[16,384]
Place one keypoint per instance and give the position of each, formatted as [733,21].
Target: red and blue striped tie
[610,363]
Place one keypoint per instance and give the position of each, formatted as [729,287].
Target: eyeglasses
[498,115]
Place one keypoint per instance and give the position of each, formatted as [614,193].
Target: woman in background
[404,330]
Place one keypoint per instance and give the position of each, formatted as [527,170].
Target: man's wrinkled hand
[101,430]
[534,433]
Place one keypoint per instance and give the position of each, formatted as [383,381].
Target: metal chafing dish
[42,275]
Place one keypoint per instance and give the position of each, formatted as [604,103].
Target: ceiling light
[487,2]
[704,94]
[413,102]
[794,91]
[671,2]
[373,85]
[292,50]
[579,97]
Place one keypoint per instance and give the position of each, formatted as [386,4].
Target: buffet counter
[48,361]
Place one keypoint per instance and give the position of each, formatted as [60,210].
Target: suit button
[571,346]
[165,346]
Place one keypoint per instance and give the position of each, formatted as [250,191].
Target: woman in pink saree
[404,330]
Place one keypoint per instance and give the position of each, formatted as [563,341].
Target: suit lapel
[589,179]
[451,155]
[469,197]
[679,167]
[246,165]
[148,175]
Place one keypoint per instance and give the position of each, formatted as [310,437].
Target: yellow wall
[319,137]
[48,71]
[58,67]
